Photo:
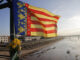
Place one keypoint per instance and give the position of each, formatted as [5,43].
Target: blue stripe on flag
[20,17]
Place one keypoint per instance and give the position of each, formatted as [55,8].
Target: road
[65,49]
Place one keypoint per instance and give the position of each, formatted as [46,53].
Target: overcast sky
[69,11]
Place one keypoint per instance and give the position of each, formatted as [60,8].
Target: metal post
[12,52]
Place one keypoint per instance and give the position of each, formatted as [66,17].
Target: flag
[41,22]
[34,21]
[31,21]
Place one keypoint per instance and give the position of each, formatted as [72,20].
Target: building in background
[4,39]
[29,38]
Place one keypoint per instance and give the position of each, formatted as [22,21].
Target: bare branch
[9,3]
[4,5]
[1,1]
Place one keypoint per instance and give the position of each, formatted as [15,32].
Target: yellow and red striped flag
[41,22]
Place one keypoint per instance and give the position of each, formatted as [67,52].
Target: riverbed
[65,49]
